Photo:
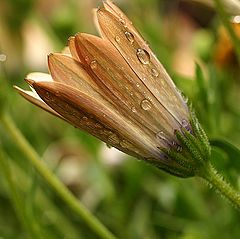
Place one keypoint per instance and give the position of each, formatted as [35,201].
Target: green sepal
[194,154]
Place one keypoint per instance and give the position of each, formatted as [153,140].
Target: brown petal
[66,70]
[100,120]
[72,48]
[132,97]
[115,25]
[36,100]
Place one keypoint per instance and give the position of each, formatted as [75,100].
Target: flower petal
[119,31]
[132,97]
[38,76]
[66,70]
[72,48]
[97,118]
[36,100]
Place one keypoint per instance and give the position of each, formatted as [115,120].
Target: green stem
[53,181]
[225,20]
[216,181]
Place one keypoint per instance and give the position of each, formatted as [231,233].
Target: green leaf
[232,151]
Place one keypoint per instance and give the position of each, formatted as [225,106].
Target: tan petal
[97,118]
[72,48]
[36,100]
[132,97]
[38,76]
[119,31]
[66,70]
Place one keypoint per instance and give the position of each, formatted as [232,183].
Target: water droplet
[57,93]
[117,38]
[137,85]
[146,104]
[113,139]
[154,72]
[87,59]
[122,21]
[143,56]
[130,37]
[93,64]
[48,97]
[161,135]
[85,118]
[133,109]
[3,57]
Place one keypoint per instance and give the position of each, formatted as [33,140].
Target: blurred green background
[133,199]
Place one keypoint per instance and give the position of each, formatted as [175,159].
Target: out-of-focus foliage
[133,199]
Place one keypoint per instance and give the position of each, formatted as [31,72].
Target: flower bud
[115,88]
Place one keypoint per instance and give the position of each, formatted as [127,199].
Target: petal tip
[29,81]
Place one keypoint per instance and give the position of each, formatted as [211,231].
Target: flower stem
[216,181]
[53,181]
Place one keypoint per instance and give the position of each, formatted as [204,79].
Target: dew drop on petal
[47,96]
[117,38]
[93,64]
[122,21]
[87,59]
[154,72]
[146,104]
[130,37]
[143,56]
[133,109]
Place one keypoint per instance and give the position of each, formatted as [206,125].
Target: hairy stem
[216,181]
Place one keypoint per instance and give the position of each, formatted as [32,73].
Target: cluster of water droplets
[113,139]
